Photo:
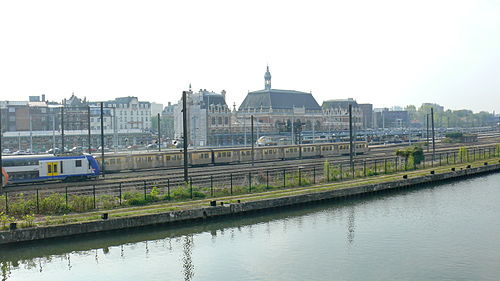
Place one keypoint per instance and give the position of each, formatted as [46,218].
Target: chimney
[43,97]
[223,94]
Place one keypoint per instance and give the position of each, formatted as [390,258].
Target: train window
[78,163]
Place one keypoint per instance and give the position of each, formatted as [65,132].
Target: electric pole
[351,147]
[185,136]
[433,135]
[252,140]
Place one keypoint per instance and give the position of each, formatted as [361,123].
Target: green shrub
[81,203]
[185,193]
[463,154]
[54,204]
[5,220]
[29,220]
[108,201]
[136,201]
[22,204]
[130,195]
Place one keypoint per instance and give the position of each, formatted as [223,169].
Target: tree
[413,155]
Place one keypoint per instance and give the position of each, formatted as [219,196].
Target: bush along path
[58,210]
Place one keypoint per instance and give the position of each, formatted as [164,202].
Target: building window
[213,120]
[226,120]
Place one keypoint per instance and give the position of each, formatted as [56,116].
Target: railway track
[175,175]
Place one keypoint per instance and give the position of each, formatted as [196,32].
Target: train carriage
[203,157]
[225,156]
[291,152]
[271,153]
[33,168]
[309,151]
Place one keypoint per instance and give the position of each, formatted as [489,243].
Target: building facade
[336,113]
[278,111]
[208,118]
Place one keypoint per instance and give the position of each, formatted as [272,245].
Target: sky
[381,52]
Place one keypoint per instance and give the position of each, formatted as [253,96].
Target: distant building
[208,118]
[276,110]
[167,121]
[385,118]
[367,110]
[336,113]
[129,112]
[156,108]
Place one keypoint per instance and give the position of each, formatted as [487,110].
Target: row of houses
[38,124]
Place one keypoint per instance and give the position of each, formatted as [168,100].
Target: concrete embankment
[47,232]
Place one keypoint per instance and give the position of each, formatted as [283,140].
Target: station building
[279,111]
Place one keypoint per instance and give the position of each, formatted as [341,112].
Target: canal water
[440,232]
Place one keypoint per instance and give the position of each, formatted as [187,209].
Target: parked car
[76,149]
[53,151]
[20,152]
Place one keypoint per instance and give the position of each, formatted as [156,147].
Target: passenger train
[217,156]
[35,168]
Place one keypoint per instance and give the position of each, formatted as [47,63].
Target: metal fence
[133,193]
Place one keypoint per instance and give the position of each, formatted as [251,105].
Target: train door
[52,169]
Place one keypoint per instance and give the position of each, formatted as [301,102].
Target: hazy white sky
[382,52]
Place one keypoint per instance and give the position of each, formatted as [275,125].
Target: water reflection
[34,255]
[350,224]
[187,261]
[221,242]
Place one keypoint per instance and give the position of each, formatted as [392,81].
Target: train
[37,168]
[218,156]
[67,167]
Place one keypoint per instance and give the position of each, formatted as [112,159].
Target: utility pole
[53,132]
[159,134]
[31,129]
[62,129]
[252,140]
[185,136]
[351,147]
[427,132]
[102,141]
[433,135]
[293,125]
[88,127]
